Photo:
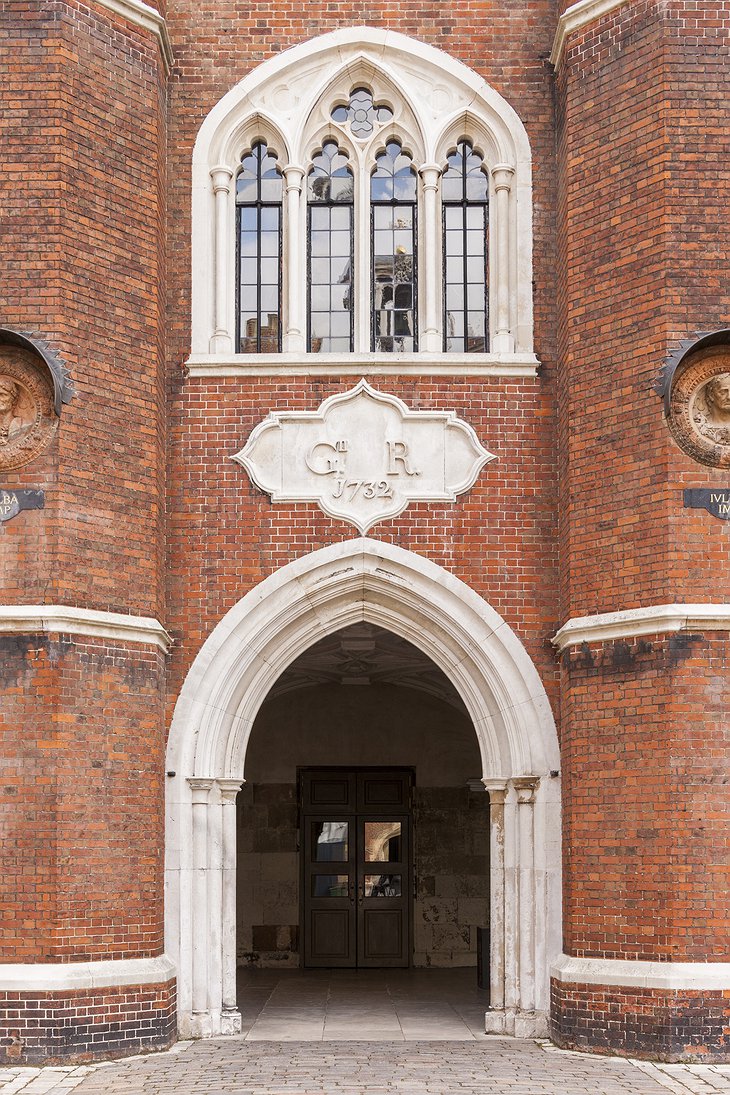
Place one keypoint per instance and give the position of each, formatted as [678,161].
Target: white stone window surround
[286,102]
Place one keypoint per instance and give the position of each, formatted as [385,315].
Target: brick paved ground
[232,1066]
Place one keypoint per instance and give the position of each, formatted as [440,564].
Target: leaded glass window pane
[465,198]
[393,247]
[330,194]
[259,193]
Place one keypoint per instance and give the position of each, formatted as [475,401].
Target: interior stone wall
[362,726]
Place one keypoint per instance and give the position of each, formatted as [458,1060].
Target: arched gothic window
[259,192]
[397,202]
[393,195]
[330,192]
[465,206]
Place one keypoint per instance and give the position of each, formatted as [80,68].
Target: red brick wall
[83,126]
[81,858]
[227,536]
[63,1027]
[647,817]
[640,122]
[81,724]
[644,1023]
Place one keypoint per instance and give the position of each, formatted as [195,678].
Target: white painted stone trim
[420,364]
[281,101]
[69,976]
[714,976]
[633,622]
[313,596]
[142,15]
[17,619]
[575,18]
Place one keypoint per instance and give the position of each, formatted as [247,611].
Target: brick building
[364,449]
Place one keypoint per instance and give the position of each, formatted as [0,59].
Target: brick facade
[58,1028]
[580,513]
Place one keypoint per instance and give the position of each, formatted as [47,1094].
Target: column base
[198,1025]
[516,1024]
[230,1021]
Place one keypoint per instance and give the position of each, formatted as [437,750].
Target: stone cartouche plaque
[363,455]
[27,421]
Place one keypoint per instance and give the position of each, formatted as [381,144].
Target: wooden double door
[356,867]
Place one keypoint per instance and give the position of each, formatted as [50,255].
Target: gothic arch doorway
[362,580]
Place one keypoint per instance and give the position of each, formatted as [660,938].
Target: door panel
[383,900]
[329,889]
[356,876]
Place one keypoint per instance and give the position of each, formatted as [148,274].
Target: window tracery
[453,277]
[362,114]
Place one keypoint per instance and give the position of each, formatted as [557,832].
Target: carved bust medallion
[27,421]
[699,414]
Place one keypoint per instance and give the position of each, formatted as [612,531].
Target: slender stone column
[215,920]
[525,789]
[222,341]
[503,339]
[230,1015]
[295,318]
[497,789]
[431,175]
[201,793]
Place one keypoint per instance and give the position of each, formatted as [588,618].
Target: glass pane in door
[383,885]
[330,841]
[382,841]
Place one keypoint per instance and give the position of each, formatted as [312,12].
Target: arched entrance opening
[384,590]
[363,824]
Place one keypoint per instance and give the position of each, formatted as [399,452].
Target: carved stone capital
[497,791]
[221,177]
[200,788]
[502,174]
[293,177]
[430,174]
[525,786]
[229,788]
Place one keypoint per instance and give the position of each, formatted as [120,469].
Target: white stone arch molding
[362,580]
[437,101]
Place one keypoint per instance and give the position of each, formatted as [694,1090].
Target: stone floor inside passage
[371,1032]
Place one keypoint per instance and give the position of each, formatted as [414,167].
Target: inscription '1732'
[328,458]
[363,456]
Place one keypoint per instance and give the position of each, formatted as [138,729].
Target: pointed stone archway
[310,598]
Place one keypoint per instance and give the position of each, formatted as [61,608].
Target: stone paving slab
[495,1066]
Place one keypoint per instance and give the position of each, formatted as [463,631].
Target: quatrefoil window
[362,113]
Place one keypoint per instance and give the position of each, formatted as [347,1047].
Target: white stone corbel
[503,342]
[295,333]
[430,176]
[230,1022]
[222,340]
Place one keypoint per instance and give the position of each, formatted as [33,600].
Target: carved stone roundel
[699,414]
[27,421]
